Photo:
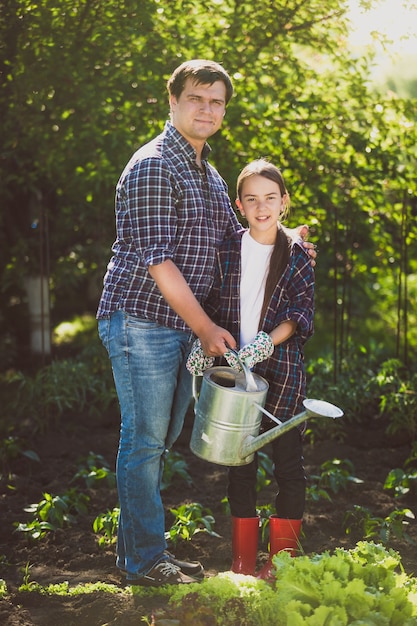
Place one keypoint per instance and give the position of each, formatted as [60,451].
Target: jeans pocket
[103,332]
[140,323]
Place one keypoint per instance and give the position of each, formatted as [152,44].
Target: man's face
[199,111]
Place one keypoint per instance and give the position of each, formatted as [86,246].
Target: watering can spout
[228,416]
[313,408]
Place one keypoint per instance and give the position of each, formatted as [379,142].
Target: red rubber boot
[244,544]
[283,535]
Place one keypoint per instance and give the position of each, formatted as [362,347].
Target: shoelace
[169,568]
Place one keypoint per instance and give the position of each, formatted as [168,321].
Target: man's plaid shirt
[293,299]
[166,208]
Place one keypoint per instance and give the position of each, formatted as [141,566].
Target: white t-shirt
[255,259]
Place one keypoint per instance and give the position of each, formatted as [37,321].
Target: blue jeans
[154,391]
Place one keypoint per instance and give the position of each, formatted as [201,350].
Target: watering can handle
[196,393]
[249,377]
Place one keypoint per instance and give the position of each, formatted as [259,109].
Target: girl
[264,296]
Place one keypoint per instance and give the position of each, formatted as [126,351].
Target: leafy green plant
[361,519]
[398,397]
[96,472]
[265,471]
[190,519]
[402,481]
[358,586]
[335,474]
[63,386]
[53,512]
[27,584]
[3,588]
[12,447]
[264,475]
[314,493]
[265,511]
[175,466]
[347,388]
[106,525]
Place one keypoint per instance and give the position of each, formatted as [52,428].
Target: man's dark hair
[201,72]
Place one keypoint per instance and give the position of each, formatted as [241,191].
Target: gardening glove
[232,361]
[197,361]
[258,350]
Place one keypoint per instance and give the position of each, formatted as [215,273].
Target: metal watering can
[228,413]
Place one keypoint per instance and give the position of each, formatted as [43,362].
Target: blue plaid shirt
[166,208]
[293,299]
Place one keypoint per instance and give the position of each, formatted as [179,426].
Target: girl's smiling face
[262,204]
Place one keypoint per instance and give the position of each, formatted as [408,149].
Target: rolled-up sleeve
[150,205]
[298,302]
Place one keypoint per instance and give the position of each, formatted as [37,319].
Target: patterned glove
[197,361]
[258,350]
[232,361]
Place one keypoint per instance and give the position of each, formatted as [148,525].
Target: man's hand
[301,232]
[215,339]
[310,247]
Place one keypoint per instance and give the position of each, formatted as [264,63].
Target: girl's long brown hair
[281,250]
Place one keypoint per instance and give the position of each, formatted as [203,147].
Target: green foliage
[81,383]
[190,519]
[12,447]
[402,481]
[366,388]
[175,466]
[27,585]
[264,472]
[3,588]
[358,586]
[96,472]
[265,511]
[106,525]
[64,589]
[361,519]
[398,397]
[53,512]
[335,474]
[347,387]
[90,88]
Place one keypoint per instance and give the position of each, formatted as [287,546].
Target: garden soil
[73,554]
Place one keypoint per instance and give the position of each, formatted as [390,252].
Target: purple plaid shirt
[293,299]
[166,208]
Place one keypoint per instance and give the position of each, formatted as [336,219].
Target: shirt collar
[184,145]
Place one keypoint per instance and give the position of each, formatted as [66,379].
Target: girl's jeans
[154,391]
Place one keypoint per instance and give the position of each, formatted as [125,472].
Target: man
[172,211]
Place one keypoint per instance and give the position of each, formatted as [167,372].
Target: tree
[85,85]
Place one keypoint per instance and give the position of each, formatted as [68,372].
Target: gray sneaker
[163,573]
[193,569]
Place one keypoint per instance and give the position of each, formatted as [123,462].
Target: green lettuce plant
[357,587]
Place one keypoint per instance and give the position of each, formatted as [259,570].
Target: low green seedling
[12,447]
[106,525]
[335,475]
[3,588]
[53,512]
[361,519]
[265,511]
[96,472]
[404,480]
[175,466]
[190,519]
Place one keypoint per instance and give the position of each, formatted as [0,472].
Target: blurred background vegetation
[84,84]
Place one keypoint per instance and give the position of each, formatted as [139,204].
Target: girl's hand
[258,350]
